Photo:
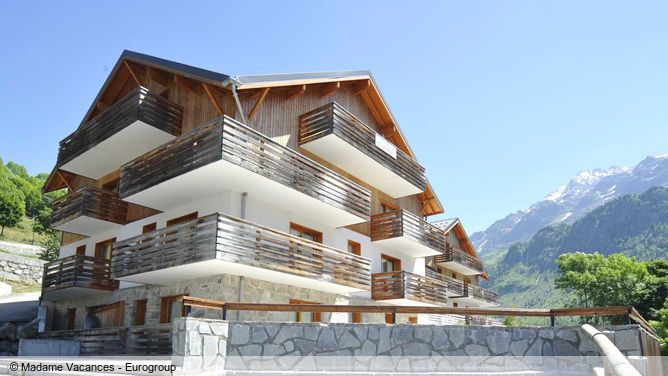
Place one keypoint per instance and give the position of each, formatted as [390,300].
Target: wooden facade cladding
[89,201]
[78,271]
[334,119]
[226,238]
[455,255]
[139,105]
[134,340]
[228,140]
[402,223]
[405,285]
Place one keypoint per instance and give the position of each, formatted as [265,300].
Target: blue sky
[502,101]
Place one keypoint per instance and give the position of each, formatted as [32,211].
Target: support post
[552,320]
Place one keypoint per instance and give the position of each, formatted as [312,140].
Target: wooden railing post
[552,319]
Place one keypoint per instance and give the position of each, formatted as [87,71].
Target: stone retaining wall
[202,343]
[21,249]
[19,268]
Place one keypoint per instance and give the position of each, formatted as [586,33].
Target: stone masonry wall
[203,343]
[222,287]
[19,268]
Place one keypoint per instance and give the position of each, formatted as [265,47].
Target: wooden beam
[213,99]
[296,91]
[101,106]
[185,82]
[257,104]
[132,72]
[159,76]
[67,184]
[329,89]
[360,87]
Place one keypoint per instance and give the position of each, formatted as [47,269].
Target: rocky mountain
[586,191]
[635,225]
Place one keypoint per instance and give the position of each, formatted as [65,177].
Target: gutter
[232,84]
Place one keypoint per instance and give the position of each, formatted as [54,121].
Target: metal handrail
[620,365]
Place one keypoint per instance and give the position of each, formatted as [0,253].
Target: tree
[51,244]
[658,289]
[597,281]
[661,327]
[12,207]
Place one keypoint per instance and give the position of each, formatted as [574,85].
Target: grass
[21,233]
[19,287]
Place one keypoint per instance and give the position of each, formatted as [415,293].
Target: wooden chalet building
[289,188]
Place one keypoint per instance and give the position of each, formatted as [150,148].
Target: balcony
[88,210]
[225,155]
[456,287]
[220,244]
[404,288]
[459,261]
[136,340]
[337,136]
[476,296]
[136,124]
[77,276]
[405,232]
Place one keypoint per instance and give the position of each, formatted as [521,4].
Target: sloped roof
[446,224]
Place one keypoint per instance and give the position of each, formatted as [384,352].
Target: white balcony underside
[407,246]
[459,268]
[217,267]
[347,157]
[123,146]
[407,302]
[222,176]
[87,226]
[472,302]
[73,293]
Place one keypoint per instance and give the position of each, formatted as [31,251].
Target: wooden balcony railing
[78,271]
[402,223]
[226,238]
[332,118]
[404,285]
[92,202]
[482,294]
[135,340]
[455,255]
[456,287]
[226,139]
[139,104]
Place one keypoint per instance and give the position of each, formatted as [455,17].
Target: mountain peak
[585,191]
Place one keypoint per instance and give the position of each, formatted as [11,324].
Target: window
[181,219]
[149,227]
[171,307]
[356,317]
[389,264]
[81,250]
[454,275]
[71,318]
[305,232]
[305,316]
[354,248]
[140,312]
[412,319]
[455,305]
[103,248]
[388,206]
[389,319]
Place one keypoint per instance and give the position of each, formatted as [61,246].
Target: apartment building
[290,188]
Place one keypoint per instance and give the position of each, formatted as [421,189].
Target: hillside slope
[636,225]
[585,192]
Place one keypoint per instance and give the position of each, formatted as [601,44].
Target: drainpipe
[232,84]
[244,196]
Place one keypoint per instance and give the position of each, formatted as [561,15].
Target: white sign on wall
[386,146]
